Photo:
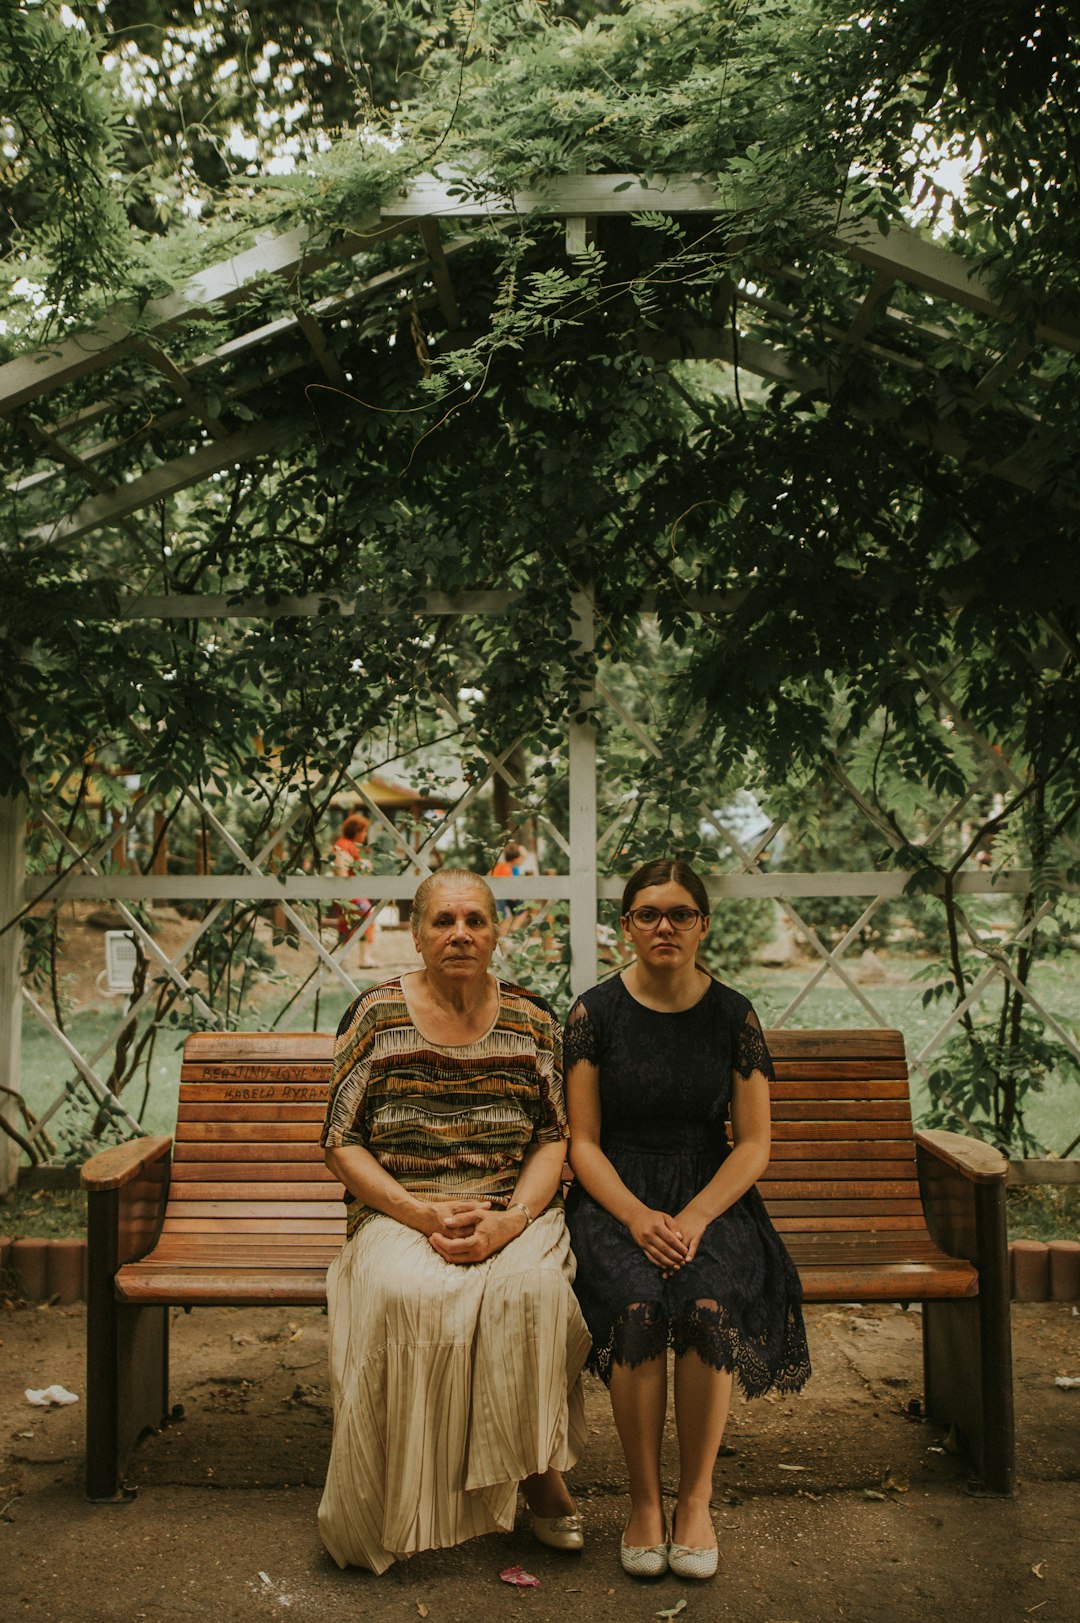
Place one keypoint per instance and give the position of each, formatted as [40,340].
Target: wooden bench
[238,1209]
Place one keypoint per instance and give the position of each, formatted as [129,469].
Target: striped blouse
[446,1122]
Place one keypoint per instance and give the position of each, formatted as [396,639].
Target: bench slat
[247,1071]
[253,1172]
[817,1044]
[779,1195]
[239,1046]
[243,1112]
[801,1130]
[293,1152]
[825,1204]
[235,1224]
[284,1195]
[239,1255]
[781,1171]
[266,1095]
[886,1282]
[822,1067]
[314,1205]
[245,1132]
[855,1223]
[840,1110]
[846,1149]
[253,1287]
[838,1088]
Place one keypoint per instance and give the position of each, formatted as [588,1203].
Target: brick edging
[46,1269]
[1044,1270]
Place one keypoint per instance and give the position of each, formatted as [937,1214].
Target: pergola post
[12,882]
[583,871]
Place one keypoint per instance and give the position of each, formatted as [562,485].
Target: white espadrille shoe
[687,1562]
[644,1560]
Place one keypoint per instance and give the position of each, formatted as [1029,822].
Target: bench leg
[127,1363]
[967,1355]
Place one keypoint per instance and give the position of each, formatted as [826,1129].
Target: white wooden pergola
[72,491]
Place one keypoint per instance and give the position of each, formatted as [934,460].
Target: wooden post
[12,879]
[583,874]
[161,845]
[119,850]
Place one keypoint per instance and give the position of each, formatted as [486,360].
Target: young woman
[673,1243]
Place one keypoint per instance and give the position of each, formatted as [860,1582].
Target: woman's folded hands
[469,1230]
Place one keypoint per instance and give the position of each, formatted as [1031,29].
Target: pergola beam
[545,887]
[707,343]
[899,252]
[165,480]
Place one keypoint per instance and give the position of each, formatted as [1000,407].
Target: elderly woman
[456,1344]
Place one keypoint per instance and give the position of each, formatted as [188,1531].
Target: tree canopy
[893,506]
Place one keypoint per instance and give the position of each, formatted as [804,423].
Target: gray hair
[459,879]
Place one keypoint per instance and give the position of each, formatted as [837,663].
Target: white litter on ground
[46,1396]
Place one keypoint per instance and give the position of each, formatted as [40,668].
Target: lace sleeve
[579,1038]
[751,1052]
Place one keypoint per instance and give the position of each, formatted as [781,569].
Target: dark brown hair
[355,827]
[665,871]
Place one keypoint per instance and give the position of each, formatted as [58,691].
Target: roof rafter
[899,252]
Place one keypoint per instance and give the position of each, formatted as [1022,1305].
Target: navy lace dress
[665,1091]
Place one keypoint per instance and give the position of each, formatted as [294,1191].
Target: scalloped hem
[642,1332]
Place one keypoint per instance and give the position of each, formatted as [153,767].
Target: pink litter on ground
[518,1576]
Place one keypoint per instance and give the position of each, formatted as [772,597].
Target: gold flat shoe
[559,1532]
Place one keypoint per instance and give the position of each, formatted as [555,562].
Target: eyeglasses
[647,918]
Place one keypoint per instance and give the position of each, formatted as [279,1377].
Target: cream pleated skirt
[450,1384]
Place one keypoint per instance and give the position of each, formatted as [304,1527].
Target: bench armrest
[113,1168]
[125,1188]
[962,1182]
[970,1157]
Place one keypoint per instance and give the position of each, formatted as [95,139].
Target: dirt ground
[834,1504]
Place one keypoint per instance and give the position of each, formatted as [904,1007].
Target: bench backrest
[247,1159]
[843,1155]
[246,1156]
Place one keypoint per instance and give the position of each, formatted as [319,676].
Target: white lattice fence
[582,852]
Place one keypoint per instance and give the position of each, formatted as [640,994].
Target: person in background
[508,866]
[673,1243]
[350,859]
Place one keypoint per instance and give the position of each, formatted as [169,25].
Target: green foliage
[825,563]
[983,1078]
[61,126]
[738,930]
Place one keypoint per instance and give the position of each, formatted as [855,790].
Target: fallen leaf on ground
[784,1467]
[519,1577]
[421,1608]
[872,1493]
[673,1611]
[896,1483]
[1039,1569]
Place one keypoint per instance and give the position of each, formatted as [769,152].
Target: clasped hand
[668,1242]
[469,1231]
